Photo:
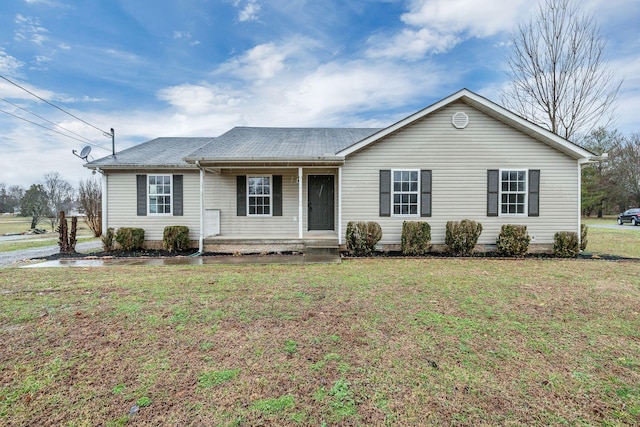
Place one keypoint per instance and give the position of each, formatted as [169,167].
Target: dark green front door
[321,202]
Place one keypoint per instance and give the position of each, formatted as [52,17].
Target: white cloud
[29,28]
[411,44]
[266,61]
[477,18]
[250,10]
[8,64]
[437,26]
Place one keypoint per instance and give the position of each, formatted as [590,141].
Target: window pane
[405,175]
[414,186]
[397,176]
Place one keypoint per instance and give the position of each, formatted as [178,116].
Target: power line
[55,106]
[51,130]
[55,124]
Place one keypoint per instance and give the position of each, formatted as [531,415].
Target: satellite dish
[85,152]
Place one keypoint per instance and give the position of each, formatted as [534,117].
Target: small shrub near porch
[130,238]
[176,238]
[416,238]
[362,237]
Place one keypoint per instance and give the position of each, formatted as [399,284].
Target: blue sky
[152,68]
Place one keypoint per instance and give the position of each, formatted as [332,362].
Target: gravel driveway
[8,258]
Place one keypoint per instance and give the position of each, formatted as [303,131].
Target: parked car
[630,215]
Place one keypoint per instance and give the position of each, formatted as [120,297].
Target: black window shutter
[534,192]
[277,195]
[141,195]
[425,190]
[493,184]
[177,195]
[241,193]
[385,193]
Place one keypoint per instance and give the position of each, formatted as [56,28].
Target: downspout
[340,205]
[201,237]
[104,188]
[581,163]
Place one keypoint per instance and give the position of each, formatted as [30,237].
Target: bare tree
[59,195]
[625,172]
[90,197]
[559,78]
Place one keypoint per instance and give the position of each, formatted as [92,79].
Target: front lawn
[366,342]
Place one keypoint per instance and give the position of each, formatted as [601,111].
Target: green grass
[365,342]
[14,224]
[623,242]
[46,240]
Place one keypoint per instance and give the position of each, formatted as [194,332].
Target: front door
[321,202]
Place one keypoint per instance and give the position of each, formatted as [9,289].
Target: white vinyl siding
[459,160]
[122,209]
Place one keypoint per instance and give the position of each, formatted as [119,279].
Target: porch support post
[201,237]
[300,210]
[340,205]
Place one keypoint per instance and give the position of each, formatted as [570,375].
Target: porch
[312,243]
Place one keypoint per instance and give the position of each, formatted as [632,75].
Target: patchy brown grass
[367,342]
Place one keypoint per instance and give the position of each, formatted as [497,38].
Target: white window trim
[170,195]
[393,192]
[270,195]
[526,193]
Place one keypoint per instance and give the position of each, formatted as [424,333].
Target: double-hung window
[513,192]
[405,192]
[159,194]
[259,195]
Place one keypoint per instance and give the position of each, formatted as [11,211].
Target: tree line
[612,185]
[45,200]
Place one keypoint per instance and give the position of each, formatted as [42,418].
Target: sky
[160,68]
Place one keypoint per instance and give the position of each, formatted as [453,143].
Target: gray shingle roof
[157,152]
[280,143]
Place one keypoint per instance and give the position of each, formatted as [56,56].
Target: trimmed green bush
[363,236]
[583,236]
[176,238]
[416,238]
[461,237]
[513,240]
[130,238]
[565,244]
[108,240]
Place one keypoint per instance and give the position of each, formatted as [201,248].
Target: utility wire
[55,106]
[55,124]
[52,130]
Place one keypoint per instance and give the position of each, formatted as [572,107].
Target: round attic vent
[460,120]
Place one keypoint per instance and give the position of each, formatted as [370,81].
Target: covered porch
[298,208]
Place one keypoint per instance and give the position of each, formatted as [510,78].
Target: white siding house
[463,157]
